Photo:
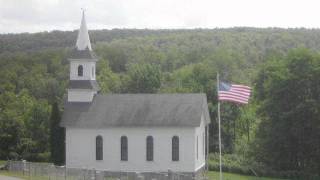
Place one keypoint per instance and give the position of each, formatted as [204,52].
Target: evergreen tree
[57,136]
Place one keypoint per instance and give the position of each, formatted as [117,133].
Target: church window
[99,148]
[80,70]
[149,148]
[124,148]
[92,72]
[175,148]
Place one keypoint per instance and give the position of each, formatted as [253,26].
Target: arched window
[99,148]
[124,148]
[80,70]
[175,148]
[149,148]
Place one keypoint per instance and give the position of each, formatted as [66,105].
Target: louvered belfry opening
[80,70]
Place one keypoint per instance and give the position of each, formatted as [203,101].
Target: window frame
[80,70]
[124,148]
[149,148]
[99,148]
[175,148]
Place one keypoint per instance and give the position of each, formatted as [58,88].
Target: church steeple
[83,40]
[82,84]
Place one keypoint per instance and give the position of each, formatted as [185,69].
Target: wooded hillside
[278,129]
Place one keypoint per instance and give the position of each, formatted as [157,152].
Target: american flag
[234,93]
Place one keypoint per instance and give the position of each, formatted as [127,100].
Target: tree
[57,136]
[34,145]
[108,81]
[143,78]
[289,94]
[14,110]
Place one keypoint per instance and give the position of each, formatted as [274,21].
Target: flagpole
[219,122]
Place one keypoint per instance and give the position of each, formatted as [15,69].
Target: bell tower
[82,82]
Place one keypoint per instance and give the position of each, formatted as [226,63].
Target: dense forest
[276,134]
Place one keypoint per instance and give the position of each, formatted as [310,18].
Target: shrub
[236,164]
[230,163]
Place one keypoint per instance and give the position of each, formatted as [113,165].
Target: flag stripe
[241,86]
[239,90]
[235,93]
[234,97]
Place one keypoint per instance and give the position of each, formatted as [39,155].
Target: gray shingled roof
[83,54]
[132,110]
[84,84]
[73,110]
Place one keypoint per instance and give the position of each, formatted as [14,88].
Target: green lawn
[229,176]
[2,162]
[25,177]
[15,174]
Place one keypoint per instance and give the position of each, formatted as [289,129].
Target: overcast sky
[46,15]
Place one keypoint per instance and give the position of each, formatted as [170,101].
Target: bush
[44,157]
[36,157]
[230,163]
[236,164]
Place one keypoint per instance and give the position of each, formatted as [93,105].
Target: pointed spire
[83,40]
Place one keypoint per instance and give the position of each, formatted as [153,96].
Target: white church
[130,132]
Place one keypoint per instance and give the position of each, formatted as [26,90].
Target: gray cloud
[35,15]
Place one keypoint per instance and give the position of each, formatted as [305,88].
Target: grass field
[2,162]
[229,176]
[20,175]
